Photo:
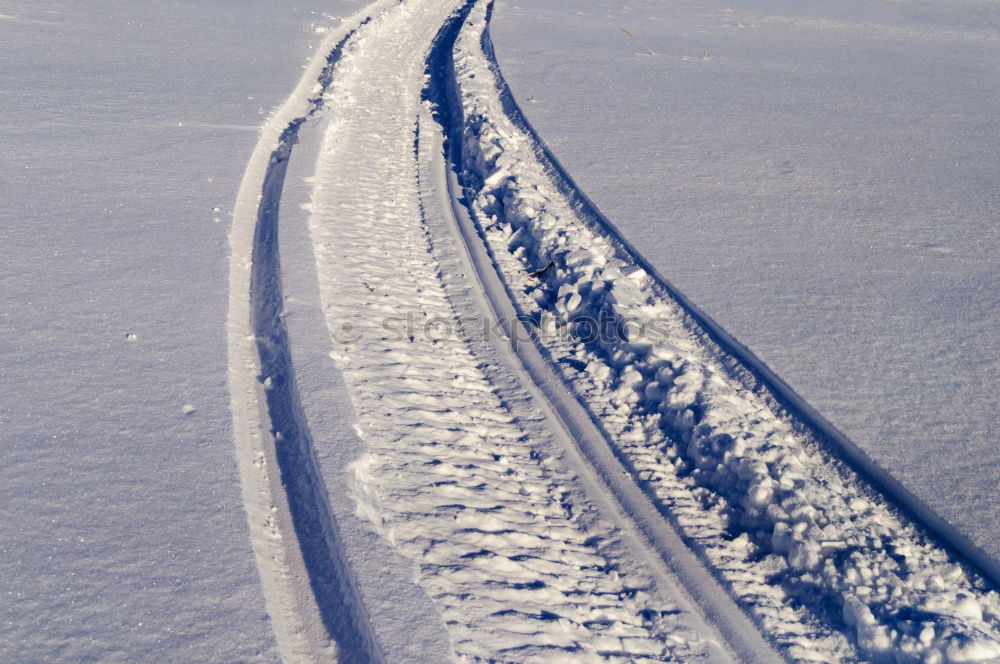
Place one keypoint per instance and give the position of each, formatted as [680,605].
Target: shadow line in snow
[343,616]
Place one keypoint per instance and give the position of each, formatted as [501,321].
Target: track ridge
[826,565]
[748,368]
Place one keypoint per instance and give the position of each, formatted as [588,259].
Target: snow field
[125,132]
[463,477]
[830,571]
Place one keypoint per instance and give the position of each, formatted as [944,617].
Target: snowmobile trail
[573,465]
[463,475]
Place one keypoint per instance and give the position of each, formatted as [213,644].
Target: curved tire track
[709,459]
[664,550]
[311,597]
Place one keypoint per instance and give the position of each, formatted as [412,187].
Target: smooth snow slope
[820,178]
[124,126]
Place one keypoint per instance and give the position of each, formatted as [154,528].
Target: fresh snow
[470,422]
[124,131]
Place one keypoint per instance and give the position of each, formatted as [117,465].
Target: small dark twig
[639,41]
[540,273]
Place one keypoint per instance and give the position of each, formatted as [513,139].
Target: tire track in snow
[662,550]
[522,567]
[307,585]
[461,477]
[830,569]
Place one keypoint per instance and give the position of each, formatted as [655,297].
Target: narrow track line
[306,582]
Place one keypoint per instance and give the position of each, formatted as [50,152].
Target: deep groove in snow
[307,584]
[315,528]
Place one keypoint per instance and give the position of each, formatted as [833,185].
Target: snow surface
[419,487]
[807,549]
[820,178]
[125,131]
